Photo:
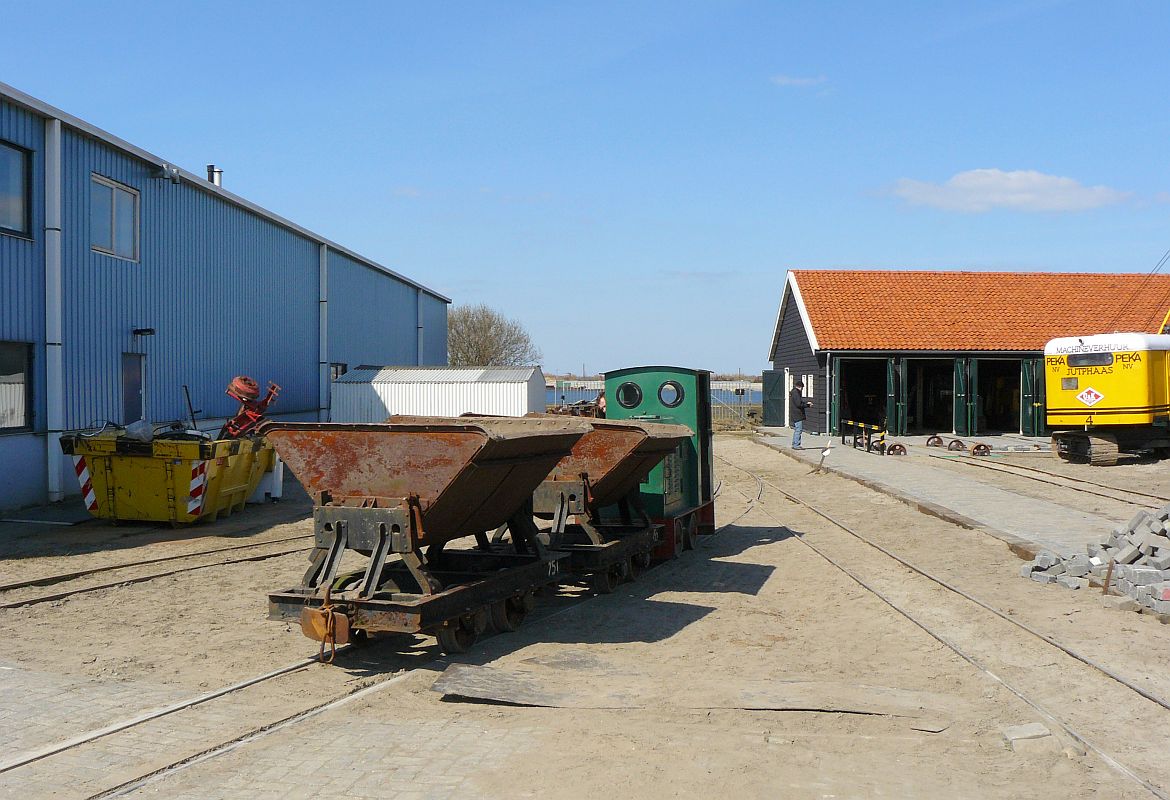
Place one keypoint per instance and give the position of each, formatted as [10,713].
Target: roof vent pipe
[215,174]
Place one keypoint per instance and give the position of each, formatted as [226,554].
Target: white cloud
[795,80]
[979,190]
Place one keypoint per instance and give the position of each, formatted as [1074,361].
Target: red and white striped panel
[198,488]
[87,492]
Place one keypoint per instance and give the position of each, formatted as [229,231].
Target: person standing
[601,404]
[799,406]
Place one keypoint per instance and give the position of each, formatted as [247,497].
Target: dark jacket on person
[799,404]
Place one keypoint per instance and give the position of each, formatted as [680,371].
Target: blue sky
[631,180]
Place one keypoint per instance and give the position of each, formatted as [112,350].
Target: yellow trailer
[176,480]
[1108,394]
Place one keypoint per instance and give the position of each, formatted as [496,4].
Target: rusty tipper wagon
[407,489]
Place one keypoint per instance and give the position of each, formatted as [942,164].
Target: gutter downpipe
[323,333]
[54,373]
[418,321]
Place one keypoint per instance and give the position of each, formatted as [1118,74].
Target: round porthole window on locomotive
[670,394]
[629,395]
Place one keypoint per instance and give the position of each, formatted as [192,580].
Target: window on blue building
[113,218]
[15,385]
[15,190]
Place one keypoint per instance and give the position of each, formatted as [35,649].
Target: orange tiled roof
[920,310]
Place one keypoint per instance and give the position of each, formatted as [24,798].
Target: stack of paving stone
[1140,552]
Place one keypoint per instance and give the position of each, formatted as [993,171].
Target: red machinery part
[252,411]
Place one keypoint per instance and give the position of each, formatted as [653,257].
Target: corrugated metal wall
[372,316]
[226,291]
[373,402]
[434,313]
[22,315]
[22,261]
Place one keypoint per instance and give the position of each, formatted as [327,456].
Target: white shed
[370,394]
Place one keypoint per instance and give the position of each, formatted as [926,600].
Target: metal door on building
[133,399]
[774,398]
[961,415]
[1032,418]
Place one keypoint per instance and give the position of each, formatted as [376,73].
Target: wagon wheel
[690,533]
[934,441]
[507,615]
[632,569]
[605,581]
[641,561]
[457,636]
[956,444]
[896,449]
[980,449]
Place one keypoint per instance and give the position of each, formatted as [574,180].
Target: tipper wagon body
[407,488]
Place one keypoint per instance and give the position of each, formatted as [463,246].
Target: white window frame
[104,181]
[809,382]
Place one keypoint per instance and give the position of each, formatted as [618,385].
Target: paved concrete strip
[1027,523]
[136,692]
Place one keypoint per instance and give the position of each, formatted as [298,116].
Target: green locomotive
[678,493]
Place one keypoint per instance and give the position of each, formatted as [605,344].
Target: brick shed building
[932,352]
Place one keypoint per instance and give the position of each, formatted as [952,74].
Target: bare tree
[479,336]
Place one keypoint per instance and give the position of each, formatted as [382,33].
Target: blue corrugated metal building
[122,278]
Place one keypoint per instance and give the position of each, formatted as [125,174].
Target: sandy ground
[754,606]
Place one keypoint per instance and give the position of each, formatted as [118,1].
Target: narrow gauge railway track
[1063,481]
[50,580]
[233,693]
[143,578]
[943,639]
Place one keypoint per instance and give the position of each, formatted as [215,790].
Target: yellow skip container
[179,481]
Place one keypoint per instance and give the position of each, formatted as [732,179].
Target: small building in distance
[370,394]
[926,352]
[124,279]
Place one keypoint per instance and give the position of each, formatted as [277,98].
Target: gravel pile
[1139,551]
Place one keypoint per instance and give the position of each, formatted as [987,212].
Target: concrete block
[1161,607]
[1128,555]
[1136,520]
[1044,559]
[1069,582]
[1162,514]
[1026,571]
[1093,549]
[1146,576]
[1143,593]
[1096,561]
[1120,603]
[1076,570]
[1160,591]
[1056,569]
[1042,577]
[1160,560]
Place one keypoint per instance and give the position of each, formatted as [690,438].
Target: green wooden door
[903,398]
[891,395]
[1028,397]
[960,411]
[974,401]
